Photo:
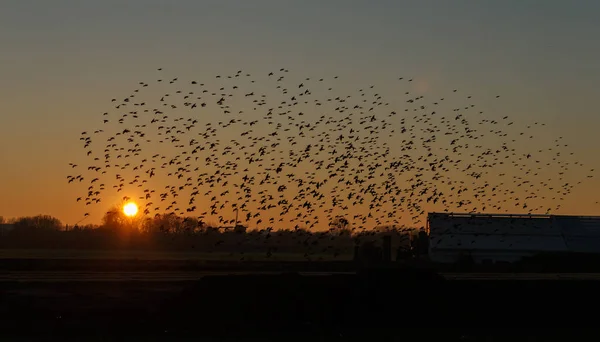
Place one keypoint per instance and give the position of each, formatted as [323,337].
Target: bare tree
[114,218]
[41,222]
[339,225]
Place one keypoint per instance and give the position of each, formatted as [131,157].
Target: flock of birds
[293,152]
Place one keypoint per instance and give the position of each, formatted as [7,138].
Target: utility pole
[237,210]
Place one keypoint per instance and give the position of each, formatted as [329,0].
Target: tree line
[176,233]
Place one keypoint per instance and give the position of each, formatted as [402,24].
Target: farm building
[509,238]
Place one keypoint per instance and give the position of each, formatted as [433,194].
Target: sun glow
[130,209]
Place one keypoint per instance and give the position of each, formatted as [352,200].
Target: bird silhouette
[299,152]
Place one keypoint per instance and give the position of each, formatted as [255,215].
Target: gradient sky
[62,61]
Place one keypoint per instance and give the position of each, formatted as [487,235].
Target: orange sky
[64,72]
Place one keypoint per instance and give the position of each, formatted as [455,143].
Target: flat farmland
[68,295]
[190,276]
[75,254]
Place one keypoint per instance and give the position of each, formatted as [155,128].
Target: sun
[130,209]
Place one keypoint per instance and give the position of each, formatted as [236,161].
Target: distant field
[156,255]
[186,276]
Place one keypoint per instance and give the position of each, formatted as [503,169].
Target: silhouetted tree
[173,232]
[340,225]
[39,222]
[114,219]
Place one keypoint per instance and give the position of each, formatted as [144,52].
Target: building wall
[581,234]
[509,237]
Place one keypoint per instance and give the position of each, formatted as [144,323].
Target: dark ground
[382,304]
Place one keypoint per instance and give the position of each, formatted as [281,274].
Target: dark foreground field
[58,303]
[336,308]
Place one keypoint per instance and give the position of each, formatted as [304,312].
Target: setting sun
[130,209]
